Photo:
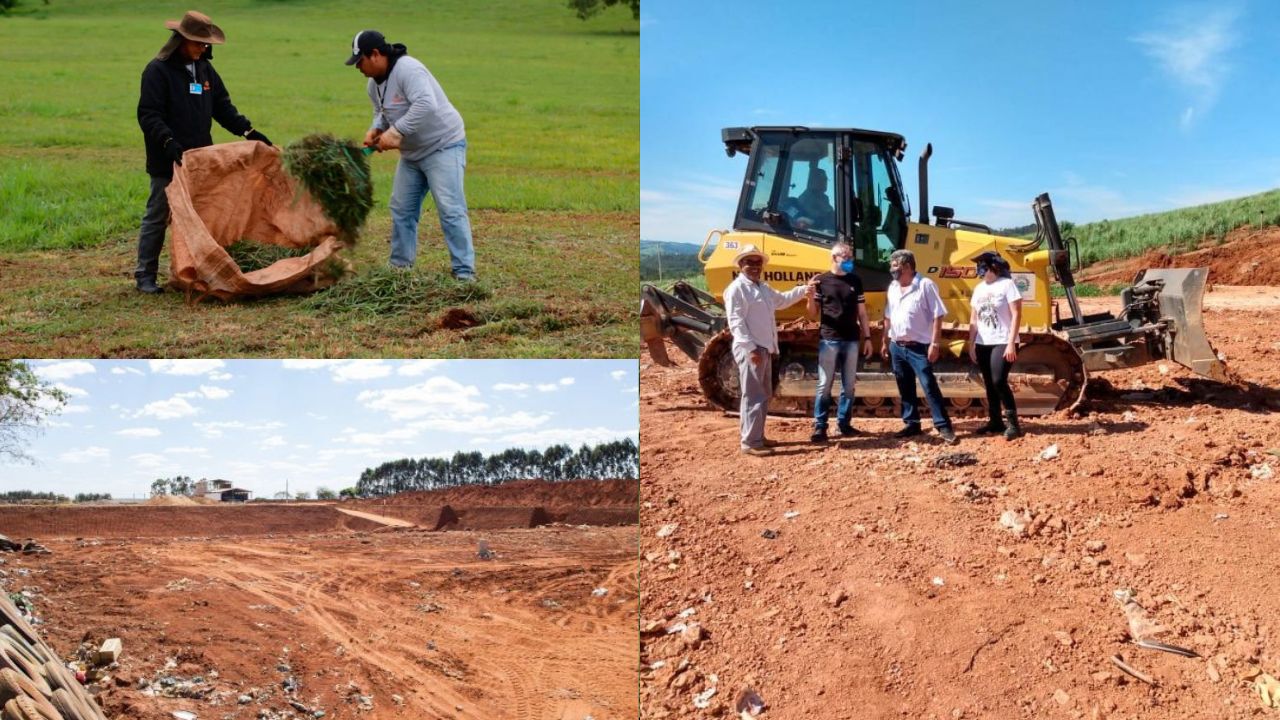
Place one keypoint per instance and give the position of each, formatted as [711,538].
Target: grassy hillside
[661,261]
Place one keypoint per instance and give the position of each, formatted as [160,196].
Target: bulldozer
[1159,317]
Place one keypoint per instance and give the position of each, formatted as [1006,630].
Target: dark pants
[151,236]
[909,362]
[995,375]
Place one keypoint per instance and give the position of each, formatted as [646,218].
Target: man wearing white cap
[750,304]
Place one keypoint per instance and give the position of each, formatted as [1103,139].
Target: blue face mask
[846,267]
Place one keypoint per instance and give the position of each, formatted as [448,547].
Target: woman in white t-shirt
[995,313]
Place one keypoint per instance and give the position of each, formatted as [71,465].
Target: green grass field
[552,111]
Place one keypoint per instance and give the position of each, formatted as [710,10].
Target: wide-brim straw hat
[198,27]
[748,251]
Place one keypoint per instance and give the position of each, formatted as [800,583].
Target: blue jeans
[909,362]
[833,354]
[441,173]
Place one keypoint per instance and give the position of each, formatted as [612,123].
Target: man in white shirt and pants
[751,304]
[913,313]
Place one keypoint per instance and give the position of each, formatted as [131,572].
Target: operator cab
[820,186]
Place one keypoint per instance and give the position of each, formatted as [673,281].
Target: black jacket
[168,109]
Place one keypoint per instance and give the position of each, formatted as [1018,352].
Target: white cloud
[511,387]
[436,396]
[483,426]
[220,376]
[688,208]
[174,407]
[567,381]
[631,390]
[360,370]
[85,455]
[65,370]
[71,391]
[1191,48]
[573,437]
[216,429]
[274,441]
[125,370]
[548,387]
[618,374]
[139,432]
[208,392]
[387,437]
[310,364]
[184,367]
[74,409]
[186,450]
[414,368]
[150,461]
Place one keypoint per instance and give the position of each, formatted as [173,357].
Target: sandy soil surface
[386,623]
[859,580]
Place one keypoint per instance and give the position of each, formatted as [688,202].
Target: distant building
[220,490]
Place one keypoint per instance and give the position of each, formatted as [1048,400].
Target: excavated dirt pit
[857,580]
[315,614]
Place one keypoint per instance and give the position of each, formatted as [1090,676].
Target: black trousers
[154,222]
[995,376]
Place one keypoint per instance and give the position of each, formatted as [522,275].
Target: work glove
[174,149]
[255,135]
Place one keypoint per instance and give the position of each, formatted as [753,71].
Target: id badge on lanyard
[196,88]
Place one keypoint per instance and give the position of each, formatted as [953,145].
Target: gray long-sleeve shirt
[412,100]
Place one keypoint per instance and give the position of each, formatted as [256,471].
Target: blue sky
[1116,109]
[313,422]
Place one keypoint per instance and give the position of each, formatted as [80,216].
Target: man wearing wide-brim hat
[181,95]
[750,305]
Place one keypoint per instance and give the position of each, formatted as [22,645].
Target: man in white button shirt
[751,304]
[913,315]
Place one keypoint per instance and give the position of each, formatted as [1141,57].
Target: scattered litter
[1129,416]
[702,700]
[1221,516]
[959,459]
[600,592]
[938,581]
[668,530]
[184,715]
[790,514]
[1050,452]
[1120,663]
[749,704]
[1268,690]
[1143,629]
[769,534]
[687,612]
[1016,521]
[1261,471]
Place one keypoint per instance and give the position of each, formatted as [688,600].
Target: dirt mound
[135,521]
[1247,257]
[858,575]
[171,501]
[528,493]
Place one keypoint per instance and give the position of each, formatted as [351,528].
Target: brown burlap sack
[240,190]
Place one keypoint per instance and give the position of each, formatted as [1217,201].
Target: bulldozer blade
[1180,304]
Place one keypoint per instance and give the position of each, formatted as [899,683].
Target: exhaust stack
[924,183]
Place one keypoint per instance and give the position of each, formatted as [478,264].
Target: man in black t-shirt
[839,304]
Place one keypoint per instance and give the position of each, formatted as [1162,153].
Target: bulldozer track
[717,365]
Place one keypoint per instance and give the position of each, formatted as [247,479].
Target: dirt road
[381,519]
[857,580]
[398,624]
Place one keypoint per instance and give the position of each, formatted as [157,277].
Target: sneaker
[850,431]
[757,452]
[990,429]
[908,431]
[948,435]
[465,278]
[818,436]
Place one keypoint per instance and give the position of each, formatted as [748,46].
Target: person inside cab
[813,210]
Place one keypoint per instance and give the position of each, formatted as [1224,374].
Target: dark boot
[147,284]
[1014,430]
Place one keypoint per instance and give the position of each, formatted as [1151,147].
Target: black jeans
[151,236]
[995,375]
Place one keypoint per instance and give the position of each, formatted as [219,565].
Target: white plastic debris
[1262,471]
[702,700]
[1129,416]
[668,530]
[790,514]
[938,581]
[1050,452]
[599,592]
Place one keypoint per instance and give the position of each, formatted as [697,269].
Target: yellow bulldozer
[867,208]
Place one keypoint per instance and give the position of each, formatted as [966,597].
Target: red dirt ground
[894,591]
[531,493]
[412,619]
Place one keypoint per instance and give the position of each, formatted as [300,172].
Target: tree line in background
[619,459]
[32,497]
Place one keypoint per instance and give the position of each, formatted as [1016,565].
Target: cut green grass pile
[250,255]
[391,291]
[336,173]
